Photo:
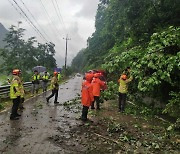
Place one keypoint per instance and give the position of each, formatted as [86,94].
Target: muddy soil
[119,133]
[56,129]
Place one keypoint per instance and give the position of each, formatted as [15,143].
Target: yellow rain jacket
[54,83]
[45,77]
[15,88]
[123,85]
[59,76]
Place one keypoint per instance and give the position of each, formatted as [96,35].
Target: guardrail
[4,90]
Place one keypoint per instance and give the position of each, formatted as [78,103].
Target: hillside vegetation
[142,34]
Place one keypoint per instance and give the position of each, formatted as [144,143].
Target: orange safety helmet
[55,73]
[124,77]
[89,76]
[96,75]
[15,71]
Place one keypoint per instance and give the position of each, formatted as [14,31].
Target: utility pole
[67,39]
[19,22]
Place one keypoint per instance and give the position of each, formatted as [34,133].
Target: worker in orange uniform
[123,89]
[97,85]
[86,95]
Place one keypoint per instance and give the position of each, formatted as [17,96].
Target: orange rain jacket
[87,94]
[97,85]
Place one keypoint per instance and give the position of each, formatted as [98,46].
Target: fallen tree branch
[107,138]
[131,103]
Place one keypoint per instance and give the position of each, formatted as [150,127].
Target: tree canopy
[25,54]
[142,34]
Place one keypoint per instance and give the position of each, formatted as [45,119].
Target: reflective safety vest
[54,83]
[36,77]
[45,77]
[15,88]
[59,76]
[123,85]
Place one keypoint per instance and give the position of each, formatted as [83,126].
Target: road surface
[42,124]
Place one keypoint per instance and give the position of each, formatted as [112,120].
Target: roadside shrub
[173,106]
[111,92]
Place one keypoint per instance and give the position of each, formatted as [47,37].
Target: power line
[49,16]
[61,15]
[26,19]
[23,16]
[34,19]
[53,27]
[40,34]
[55,33]
[56,12]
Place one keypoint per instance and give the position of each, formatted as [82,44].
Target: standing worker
[97,85]
[21,107]
[35,82]
[86,95]
[123,89]
[45,79]
[55,87]
[15,94]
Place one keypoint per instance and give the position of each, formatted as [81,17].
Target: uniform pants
[54,92]
[84,113]
[122,101]
[44,86]
[15,106]
[35,87]
[97,100]
[21,102]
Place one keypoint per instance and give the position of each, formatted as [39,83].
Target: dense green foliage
[22,54]
[144,35]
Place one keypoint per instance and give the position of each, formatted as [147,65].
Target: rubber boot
[98,105]
[84,113]
[92,106]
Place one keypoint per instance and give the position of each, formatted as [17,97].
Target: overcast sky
[78,18]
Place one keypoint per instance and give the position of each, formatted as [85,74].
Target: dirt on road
[56,129]
[41,123]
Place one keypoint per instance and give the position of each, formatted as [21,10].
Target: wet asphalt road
[39,122]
